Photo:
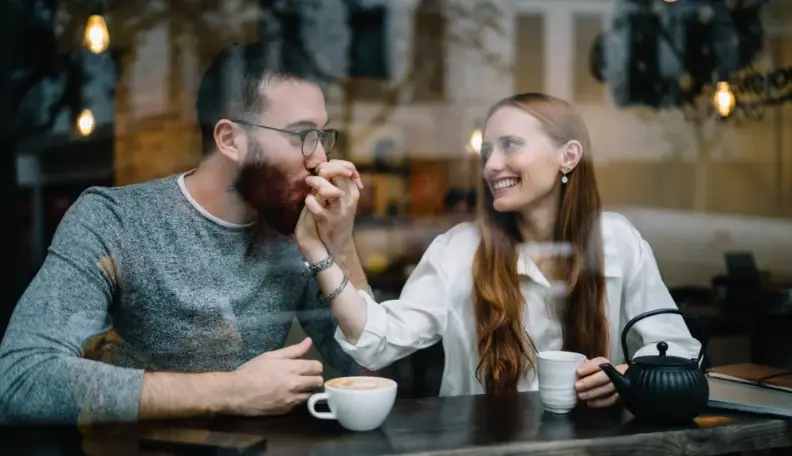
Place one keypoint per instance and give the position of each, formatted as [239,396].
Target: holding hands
[325,225]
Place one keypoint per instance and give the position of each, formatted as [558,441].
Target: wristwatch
[316,268]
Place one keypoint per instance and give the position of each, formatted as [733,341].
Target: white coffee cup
[358,403]
[557,371]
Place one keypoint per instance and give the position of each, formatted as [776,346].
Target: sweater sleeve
[43,376]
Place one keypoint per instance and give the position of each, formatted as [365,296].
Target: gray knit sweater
[142,278]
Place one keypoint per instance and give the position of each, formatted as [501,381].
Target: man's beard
[277,199]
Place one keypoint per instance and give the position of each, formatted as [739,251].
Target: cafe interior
[688,103]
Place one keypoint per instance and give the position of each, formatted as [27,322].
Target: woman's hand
[593,386]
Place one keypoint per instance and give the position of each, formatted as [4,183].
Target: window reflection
[111,102]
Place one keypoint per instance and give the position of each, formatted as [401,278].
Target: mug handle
[312,407]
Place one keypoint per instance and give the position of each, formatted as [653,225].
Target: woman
[542,269]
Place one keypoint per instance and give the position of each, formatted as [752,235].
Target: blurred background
[687,102]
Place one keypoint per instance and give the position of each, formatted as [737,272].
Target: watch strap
[319,266]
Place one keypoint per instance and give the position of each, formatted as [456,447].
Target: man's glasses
[309,138]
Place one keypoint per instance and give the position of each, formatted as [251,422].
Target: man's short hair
[231,86]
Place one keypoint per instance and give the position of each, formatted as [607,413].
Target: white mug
[557,371]
[358,403]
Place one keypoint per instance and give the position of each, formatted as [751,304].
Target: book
[755,374]
[744,397]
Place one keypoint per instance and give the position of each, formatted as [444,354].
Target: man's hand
[334,211]
[307,236]
[594,387]
[306,233]
[274,382]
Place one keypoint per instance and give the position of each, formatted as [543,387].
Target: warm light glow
[724,100]
[475,141]
[377,262]
[670,1]
[97,38]
[86,123]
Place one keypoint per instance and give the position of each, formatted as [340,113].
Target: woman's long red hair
[506,351]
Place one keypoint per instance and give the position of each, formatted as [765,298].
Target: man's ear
[229,140]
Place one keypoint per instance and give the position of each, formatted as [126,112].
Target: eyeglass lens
[312,140]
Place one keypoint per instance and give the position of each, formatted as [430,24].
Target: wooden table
[466,425]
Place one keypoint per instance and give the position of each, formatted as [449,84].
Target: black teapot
[660,389]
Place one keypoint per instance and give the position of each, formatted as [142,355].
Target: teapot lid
[662,360]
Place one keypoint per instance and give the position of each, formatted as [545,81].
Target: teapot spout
[619,380]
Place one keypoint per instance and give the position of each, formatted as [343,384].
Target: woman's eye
[509,143]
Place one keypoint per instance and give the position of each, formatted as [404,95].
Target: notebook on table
[755,374]
[747,388]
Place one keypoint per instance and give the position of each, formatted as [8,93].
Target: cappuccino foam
[359,383]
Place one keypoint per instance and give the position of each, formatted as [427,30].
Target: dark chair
[699,332]
[772,339]
[687,297]
[420,374]
[428,366]
[690,295]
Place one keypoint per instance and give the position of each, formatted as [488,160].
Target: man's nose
[318,157]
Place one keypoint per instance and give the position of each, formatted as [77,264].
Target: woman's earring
[564,178]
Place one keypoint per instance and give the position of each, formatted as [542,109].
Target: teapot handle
[652,313]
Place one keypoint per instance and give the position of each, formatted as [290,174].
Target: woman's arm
[376,335]
[644,290]
[349,308]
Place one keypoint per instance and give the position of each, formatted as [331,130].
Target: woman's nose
[494,163]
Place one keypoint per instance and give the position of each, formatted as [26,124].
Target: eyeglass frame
[302,134]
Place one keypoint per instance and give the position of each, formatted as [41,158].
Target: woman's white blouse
[436,304]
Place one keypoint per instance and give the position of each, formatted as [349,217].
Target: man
[197,274]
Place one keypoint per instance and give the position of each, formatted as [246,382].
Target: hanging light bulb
[475,141]
[86,122]
[724,100]
[97,38]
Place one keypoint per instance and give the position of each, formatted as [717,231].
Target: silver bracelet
[335,293]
